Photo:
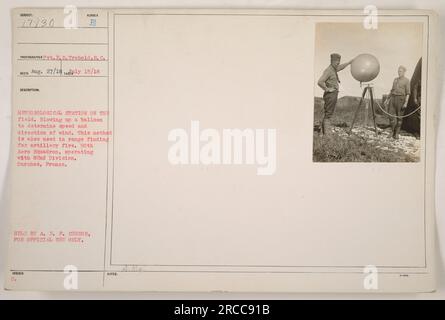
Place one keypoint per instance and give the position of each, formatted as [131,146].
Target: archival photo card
[222,150]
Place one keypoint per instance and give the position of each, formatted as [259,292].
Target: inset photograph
[367,105]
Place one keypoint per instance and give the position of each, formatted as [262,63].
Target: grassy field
[361,146]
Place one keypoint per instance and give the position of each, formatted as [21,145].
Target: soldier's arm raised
[344,65]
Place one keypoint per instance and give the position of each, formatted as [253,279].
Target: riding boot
[396,132]
[326,126]
[393,130]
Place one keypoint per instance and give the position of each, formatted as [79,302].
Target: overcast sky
[393,44]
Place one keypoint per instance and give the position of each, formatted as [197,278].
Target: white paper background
[5,116]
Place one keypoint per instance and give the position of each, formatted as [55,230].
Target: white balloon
[365,67]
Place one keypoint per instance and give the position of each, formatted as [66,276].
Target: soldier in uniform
[329,82]
[399,96]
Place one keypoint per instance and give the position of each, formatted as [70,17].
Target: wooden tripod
[368,93]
